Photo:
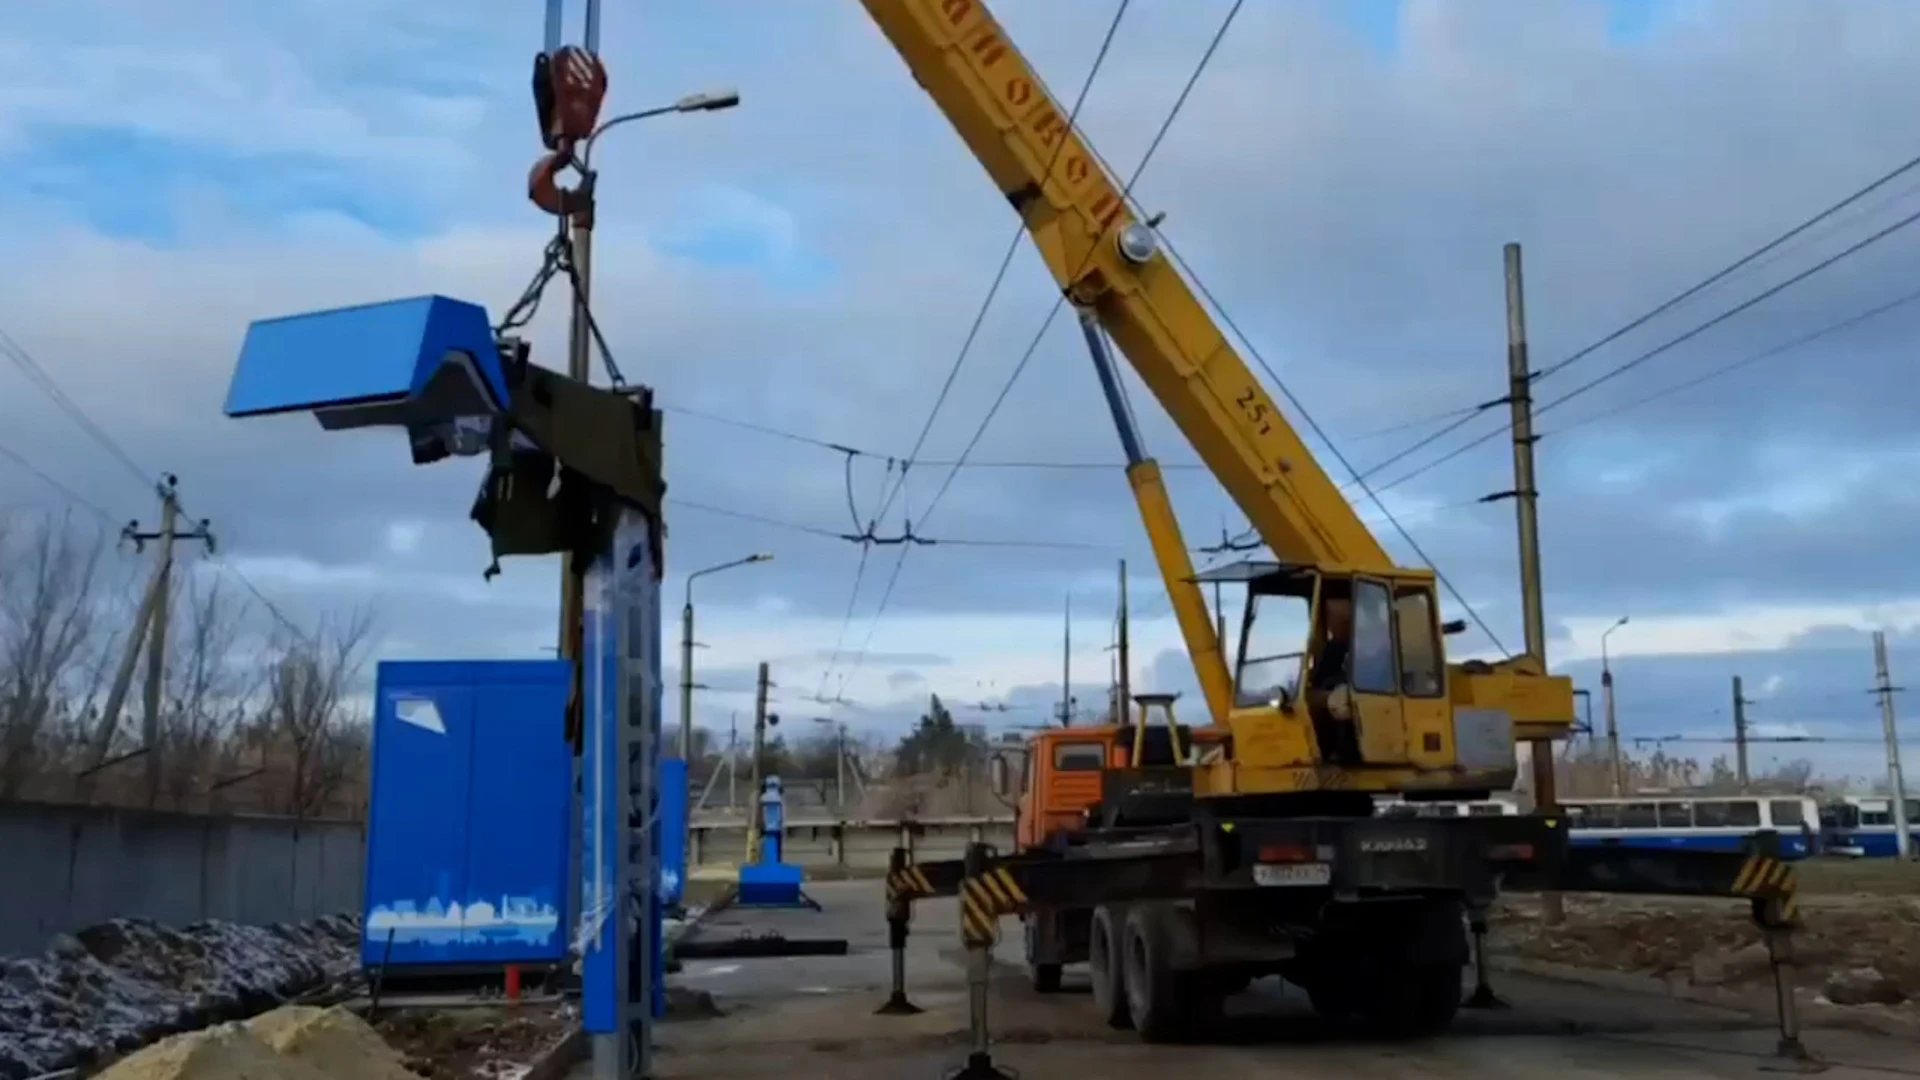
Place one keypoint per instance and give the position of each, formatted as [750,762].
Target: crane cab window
[1421,667]
[1271,635]
[1372,666]
[1079,756]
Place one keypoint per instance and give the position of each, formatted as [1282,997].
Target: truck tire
[1045,977]
[1167,1004]
[1397,972]
[1106,966]
[1416,1001]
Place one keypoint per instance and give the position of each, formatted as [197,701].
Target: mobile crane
[1190,873]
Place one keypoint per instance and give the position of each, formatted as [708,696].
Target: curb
[1759,1004]
[558,1060]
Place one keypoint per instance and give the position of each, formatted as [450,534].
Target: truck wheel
[1167,1005]
[1045,977]
[1108,970]
[1415,1001]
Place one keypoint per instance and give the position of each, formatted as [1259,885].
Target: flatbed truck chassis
[1376,918]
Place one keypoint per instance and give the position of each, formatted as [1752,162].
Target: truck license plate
[1292,873]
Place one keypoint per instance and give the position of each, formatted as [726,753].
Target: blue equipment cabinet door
[417,836]
[518,816]
[468,830]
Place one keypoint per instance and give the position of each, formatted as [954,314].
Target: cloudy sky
[1341,179]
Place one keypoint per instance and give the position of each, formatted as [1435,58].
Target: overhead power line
[68,493]
[1622,368]
[1465,415]
[30,367]
[1746,361]
[1735,266]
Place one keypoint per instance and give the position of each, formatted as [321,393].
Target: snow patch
[111,988]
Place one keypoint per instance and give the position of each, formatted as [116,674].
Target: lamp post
[686,651]
[578,207]
[1617,781]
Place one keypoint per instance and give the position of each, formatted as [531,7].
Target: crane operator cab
[1351,663]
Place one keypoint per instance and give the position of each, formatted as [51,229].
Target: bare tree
[209,689]
[303,719]
[49,577]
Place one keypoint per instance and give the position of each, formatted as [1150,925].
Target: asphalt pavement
[810,1017]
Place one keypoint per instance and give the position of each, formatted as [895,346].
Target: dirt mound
[113,987]
[334,1041]
[458,1044]
[225,1052]
[1717,944]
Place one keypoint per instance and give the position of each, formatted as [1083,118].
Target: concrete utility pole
[1617,780]
[1126,679]
[149,631]
[1526,515]
[1066,666]
[733,759]
[1740,736]
[760,721]
[1896,781]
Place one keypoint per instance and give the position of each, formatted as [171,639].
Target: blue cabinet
[467,833]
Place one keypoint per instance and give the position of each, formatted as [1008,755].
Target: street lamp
[1617,780]
[686,651]
[711,101]
[577,208]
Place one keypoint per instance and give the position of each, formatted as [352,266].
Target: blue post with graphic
[769,881]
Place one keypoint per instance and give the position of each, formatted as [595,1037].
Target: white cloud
[1348,209]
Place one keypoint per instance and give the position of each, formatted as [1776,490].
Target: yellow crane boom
[1410,722]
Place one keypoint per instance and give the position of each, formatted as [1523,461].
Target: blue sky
[1343,178]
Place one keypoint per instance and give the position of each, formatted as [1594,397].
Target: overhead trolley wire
[1033,347]
[1013,248]
[1126,193]
[966,347]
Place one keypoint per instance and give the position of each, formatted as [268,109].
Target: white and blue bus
[1699,822]
[1862,826]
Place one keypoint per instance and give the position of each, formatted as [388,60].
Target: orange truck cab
[1063,775]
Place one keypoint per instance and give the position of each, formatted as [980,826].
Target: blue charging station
[767,880]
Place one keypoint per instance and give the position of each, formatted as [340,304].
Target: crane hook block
[569,87]
[543,186]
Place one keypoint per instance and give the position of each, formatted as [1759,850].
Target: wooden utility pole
[1125,709]
[1896,780]
[1526,515]
[149,633]
[1740,736]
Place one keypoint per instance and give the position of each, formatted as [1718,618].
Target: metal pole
[733,759]
[1896,782]
[1616,776]
[759,748]
[1126,680]
[686,678]
[1066,665]
[1526,514]
[840,769]
[1740,736]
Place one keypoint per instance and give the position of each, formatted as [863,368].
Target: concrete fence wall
[851,846]
[67,867]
